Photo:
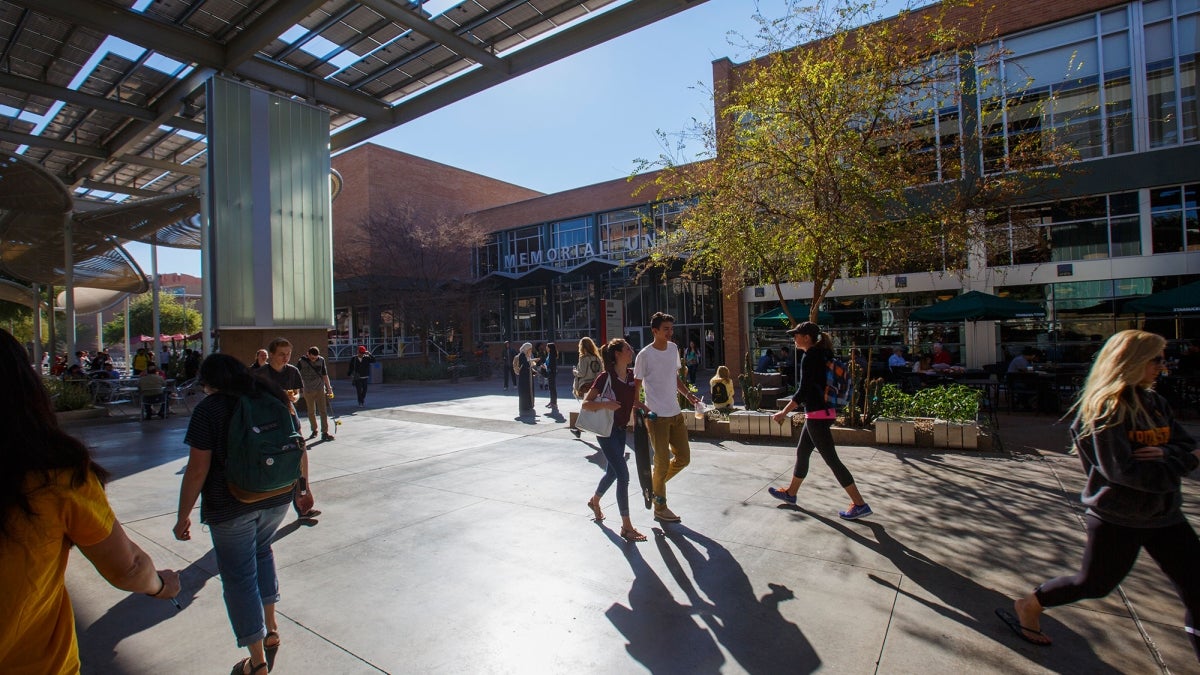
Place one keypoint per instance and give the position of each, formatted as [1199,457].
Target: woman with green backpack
[241,531]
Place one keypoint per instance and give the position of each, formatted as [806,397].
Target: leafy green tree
[174,317]
[838,156]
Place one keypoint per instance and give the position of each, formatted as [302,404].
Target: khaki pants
[316,402]
[669,439]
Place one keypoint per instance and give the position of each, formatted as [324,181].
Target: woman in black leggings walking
[818,420]
[1134,454]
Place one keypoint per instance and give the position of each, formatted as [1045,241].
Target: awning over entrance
[1182,300]
[976,306]
[778,320]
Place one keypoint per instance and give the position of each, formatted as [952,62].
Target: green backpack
[264,449]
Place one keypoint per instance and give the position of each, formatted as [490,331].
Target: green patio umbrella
[975,306]
[777,320]
[1182,300]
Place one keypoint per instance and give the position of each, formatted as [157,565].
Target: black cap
[806,328]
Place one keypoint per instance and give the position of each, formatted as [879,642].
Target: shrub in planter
[67,395]
[954,403]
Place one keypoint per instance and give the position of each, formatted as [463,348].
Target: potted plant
[893,423]
[751,393]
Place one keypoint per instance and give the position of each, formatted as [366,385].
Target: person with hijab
[525,378]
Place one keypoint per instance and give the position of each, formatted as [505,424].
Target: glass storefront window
[621,234]
[576,309]
[524,249]
[1174,218]
[527,314]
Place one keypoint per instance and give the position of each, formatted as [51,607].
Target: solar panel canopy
[107,96]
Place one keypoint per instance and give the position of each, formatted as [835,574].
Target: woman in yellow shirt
[51,498]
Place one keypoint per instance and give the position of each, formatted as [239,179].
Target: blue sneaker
[856,512]
[781,495]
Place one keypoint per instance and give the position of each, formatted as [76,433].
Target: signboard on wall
[612,319]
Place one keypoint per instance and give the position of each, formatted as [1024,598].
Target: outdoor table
[1038,385]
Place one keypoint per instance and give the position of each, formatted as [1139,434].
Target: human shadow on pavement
[136,613]
[660,632]
[967,602]
[751,629]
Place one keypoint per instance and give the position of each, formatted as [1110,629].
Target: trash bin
[376,373]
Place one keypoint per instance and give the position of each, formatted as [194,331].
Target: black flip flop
[1012,622]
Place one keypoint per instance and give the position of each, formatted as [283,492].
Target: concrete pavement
[455,539]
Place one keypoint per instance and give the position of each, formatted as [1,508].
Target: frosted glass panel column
[271,234]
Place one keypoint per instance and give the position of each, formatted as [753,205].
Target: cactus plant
[751,393]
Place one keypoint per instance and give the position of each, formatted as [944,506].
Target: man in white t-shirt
[657,372]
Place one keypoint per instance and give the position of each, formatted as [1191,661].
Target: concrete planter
[932,433]
[956,435]
[755,423]
[895,432]
[692,422]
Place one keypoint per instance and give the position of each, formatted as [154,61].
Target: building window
[570,241]
[527,315]
[1067,84]
[524,249]
[575,310]
[621,234]
[1074,229]
[1171,40]
[1175,218]
[489,317]
[487,257]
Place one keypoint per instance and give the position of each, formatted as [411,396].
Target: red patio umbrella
[144,338]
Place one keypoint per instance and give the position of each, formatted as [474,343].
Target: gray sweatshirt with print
[1136,493]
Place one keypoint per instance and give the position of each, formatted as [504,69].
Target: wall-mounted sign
[901,282]
[578,253]
[612,319]
[1066,270]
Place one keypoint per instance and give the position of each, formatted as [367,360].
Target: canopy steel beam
[448,39]
[273,23]
[119,189]
[159,164]
[45,90]
[572,40]
[189,47]
[80,149]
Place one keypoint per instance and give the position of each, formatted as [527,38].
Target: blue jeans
[613,447]
[247,567]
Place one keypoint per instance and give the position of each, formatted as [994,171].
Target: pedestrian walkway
[455,538]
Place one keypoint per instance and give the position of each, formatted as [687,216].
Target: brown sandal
[240,667]
[271,650]
[632,535]
[594,505]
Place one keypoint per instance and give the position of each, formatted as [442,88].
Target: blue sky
[582,120]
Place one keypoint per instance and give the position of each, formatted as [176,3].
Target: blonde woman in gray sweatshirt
[1134,454]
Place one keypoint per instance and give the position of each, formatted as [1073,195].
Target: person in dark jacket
[1134,454]
[360,373]
[551,365]
[818,420]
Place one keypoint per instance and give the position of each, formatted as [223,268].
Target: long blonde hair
[1120,367]
[587,348]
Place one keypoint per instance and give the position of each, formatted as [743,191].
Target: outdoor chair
[183,394]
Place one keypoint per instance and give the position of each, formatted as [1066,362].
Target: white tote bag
[599,422]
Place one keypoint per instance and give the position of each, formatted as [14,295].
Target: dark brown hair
[34,444]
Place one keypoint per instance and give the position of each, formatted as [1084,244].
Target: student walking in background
[506,358]
[360,373]
[551,366]
[691,359]
[817,432]
[52,498]
[617,378]
[1134,454]
[587,368]
[657,370]
[317,388]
